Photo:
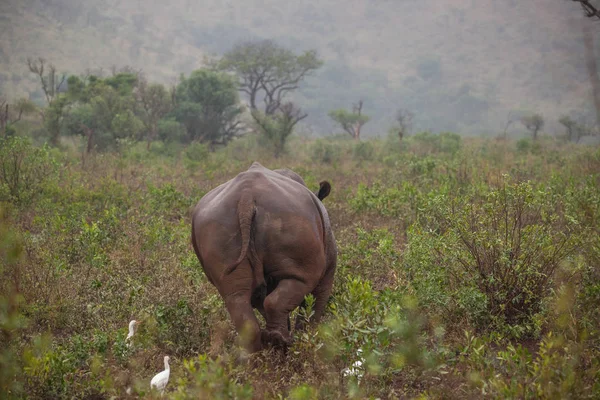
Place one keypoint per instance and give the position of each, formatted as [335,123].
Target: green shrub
[445,142]
[24,170]
[449,142]
[324,151]
[206,378]
[524,145]
[402,201]
[422,166]
[168,201]
[500,248]
[373,255]
[363,151]
[12,320]
[170,130]
[194,155]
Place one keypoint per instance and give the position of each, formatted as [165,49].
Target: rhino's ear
[324,189]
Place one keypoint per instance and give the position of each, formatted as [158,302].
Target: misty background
[460,66]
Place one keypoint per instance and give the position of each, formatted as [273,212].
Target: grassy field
[467,268]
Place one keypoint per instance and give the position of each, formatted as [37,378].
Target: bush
[500,248]
[402,201]
[524,145]
[195,154]
[211,379]
[170,130]
[449,142]
[324,152]
[363,151]
[24,170]
[445,142]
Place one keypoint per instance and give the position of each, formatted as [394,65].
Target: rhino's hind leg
[278,305]
[238,300]
[246,324]
[321,294]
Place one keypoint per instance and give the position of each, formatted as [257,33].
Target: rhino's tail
[246,212]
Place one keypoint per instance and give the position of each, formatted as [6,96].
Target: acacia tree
[572,128]
[52,85]
[351,122]
[266,73]
[154,102]
[533,123]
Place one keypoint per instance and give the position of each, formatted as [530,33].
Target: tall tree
[154,103]
[351,122]
[207,104]
[103,110]
[52,86]
[533,123]
[267,71]
[571,127]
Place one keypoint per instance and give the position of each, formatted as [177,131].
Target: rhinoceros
[264,240]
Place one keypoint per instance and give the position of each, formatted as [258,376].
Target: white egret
[356,369]
[132,326]
[161,379]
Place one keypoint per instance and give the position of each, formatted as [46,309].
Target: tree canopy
[351,122]
[207,104]
[267,71]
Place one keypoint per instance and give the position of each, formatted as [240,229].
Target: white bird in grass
[160,380]
[356,369]
[132,326]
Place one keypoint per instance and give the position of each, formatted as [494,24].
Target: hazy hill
[460,65]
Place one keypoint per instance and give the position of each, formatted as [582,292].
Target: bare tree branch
[589,10]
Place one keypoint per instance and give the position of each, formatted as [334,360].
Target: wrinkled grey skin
[265,241]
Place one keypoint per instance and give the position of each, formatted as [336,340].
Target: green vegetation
[468,268]
[351,122]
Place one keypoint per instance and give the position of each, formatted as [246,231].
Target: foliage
[423,256]
[445,142]
[207,378]
[10,114]
[349,121]
[195,154]
[103,110]
[24,170]
[495,253]
[363,151]
[524,145]
[208,106]
[324,152]
[170,130]
[268,71]
[533,123]
[277,127]
[154,103]
[11,318]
